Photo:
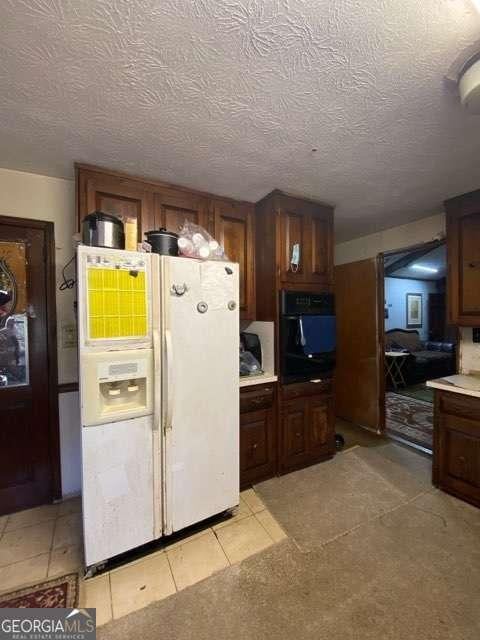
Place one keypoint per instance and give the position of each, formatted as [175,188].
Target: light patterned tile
[68,531]
[95,592]
[182,541]
[243,538]
[72,505]
[253,501]
[30,517]
[26,542]
[65,560]
[140,583]
[240,512]
[24,573]
[196,560]
[271,525]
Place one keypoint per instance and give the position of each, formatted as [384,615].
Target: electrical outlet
[476,334]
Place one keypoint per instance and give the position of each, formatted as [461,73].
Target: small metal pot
[103,230]
[163,242]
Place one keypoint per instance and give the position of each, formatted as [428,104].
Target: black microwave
[307,335]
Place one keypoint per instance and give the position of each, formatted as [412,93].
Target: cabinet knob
[254,445]
[298,434]
[461,459]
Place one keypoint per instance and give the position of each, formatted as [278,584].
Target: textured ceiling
[232,96]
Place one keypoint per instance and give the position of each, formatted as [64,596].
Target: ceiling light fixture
[476,4]
[420,267]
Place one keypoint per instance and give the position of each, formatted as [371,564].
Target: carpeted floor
[409,419]
[375,552]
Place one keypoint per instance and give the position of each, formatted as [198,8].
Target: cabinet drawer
[459,405]
[259,398]
[302,389]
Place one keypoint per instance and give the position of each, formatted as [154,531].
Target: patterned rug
[60,592]
[409,419]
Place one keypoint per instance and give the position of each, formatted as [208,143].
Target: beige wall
[401,237]
[27,195]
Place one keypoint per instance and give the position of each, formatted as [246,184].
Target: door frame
[52,375]
[381,314]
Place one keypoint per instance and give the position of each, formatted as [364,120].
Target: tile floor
[47,542]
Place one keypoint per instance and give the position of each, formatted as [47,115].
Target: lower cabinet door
[294,431]
[460,460]
[257,446]
[321,436]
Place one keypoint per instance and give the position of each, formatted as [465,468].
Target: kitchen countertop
[469,385]
[263,378]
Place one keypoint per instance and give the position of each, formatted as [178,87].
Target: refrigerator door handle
[157,414]
[168,351]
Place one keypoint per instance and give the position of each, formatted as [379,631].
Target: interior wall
[401,237]
[396,290]
[27,195]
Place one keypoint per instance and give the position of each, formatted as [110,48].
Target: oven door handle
[303,342]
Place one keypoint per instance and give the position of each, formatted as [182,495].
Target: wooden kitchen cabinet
[310,226]
[172,208]
[463,259]
[118,195]
[456,446]
[307,426]
[234,228]
[258,455]
[281,222]
[156,204]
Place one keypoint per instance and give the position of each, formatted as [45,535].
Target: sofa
[426,360]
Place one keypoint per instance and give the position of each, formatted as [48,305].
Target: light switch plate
[69,336]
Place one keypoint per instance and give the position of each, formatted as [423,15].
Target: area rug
[417,392]
[60,592]
[409,419]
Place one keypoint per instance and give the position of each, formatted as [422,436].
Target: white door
[117,487]
[200,390]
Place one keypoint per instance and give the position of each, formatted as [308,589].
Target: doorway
[418,344]
[29,434]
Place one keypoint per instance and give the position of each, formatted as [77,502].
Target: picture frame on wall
[414,310]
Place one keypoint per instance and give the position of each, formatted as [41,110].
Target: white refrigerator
[158,352]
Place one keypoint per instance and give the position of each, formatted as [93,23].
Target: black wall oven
[307,336]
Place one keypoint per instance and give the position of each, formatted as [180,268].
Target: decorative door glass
[13,315]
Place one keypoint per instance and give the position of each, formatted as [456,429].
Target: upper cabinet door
[463,258]
[234,230]
[173,208]
[122,197]
[295,245]
[306,241]
[320,268]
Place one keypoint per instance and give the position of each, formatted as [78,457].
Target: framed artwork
[414,311]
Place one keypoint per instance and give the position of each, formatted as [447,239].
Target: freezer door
[117,487]
[200,390]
